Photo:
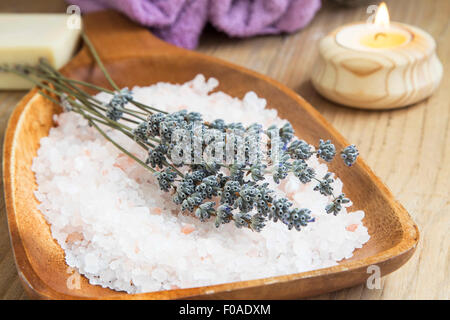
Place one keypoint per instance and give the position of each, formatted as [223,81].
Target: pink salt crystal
[253,252]
[188,228]
[208,256]
[123,162]
[74,236]
[351,227]
[157,210]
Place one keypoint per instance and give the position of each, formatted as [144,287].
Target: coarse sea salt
[119,230]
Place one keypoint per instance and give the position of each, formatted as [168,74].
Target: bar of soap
[25,38]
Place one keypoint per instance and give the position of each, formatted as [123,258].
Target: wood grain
[379,79]
[408,148]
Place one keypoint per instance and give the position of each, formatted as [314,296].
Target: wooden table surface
[408,148]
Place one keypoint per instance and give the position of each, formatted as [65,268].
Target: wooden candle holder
[378,78]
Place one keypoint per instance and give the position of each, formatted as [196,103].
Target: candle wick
[380,34]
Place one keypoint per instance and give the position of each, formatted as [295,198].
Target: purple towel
[181,21]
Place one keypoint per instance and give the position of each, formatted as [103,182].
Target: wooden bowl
[135,57]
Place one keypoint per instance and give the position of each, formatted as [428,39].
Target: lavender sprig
[209,189]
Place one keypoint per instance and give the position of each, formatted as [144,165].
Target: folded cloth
[181,21]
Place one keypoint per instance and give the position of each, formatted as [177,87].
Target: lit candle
[377,65]
[379,35]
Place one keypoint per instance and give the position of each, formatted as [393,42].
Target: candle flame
[382,16]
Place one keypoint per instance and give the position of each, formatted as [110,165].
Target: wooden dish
[135,57]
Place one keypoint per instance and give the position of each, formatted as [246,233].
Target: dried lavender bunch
[226,186]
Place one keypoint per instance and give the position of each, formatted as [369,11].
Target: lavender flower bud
[218,124]
[114,112]
[286,133]
[349,155]
[165,179]
[229,194]
[279,208]
[191,202]
[115,107]
[193,117]
[140,132]
[326,150]
[205,210]
[336,206]
[257,222]
[242,219]
[124,95]
[263,199]
[301,170]
[257,171]
[223,215]
[299,149]
[299,218]
[156,157]
[281,169]
[324,186]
